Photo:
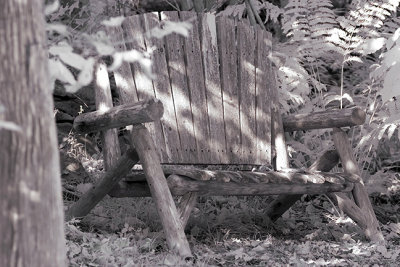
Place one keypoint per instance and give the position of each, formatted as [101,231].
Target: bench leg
[342,144]
[93,196]
[160,192]
[280,205]
[283,202]
[186,205]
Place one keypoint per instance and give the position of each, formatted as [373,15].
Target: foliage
[76,44]
[328,60]
[335,61]
[323,61]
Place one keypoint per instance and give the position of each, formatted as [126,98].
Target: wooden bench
[214,102]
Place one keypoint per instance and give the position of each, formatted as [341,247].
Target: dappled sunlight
[224,125]
[103,108]
[32,195]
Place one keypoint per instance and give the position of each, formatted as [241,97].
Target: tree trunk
[31,219]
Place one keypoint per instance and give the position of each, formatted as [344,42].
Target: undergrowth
[324,57]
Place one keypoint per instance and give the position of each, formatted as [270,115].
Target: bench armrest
[324,119]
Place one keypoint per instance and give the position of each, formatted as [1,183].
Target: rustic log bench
[214,102]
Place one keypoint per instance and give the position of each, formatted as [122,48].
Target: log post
[280,159]
[109,138]
[324,119]
[166,208]
[186,205]
[180,185]
[283,202]
[350,208]
[90,199]
[342,144]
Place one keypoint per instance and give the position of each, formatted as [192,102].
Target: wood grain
[211,61]
[162,197]
[123,115]
[196,86]
[162,89]
[263,99]
[247,84]
[109,138]
[360,194]
[180,91]
[134,37]
[324,119]
[181,185]
[226,30]
[123,77]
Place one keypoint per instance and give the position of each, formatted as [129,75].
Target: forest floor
[231,231]
[226,231]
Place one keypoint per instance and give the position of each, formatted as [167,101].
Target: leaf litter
[228,231]
[232,231]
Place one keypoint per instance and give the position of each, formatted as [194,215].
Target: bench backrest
[216,86]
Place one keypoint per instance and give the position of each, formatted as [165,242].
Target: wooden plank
[123,77]
[209,48]
[226,30]
[247,83]
[134,36]
[109,138]
[120,116]
[263,99]
[360,194]
[195,77]
[177,74]
[162,90]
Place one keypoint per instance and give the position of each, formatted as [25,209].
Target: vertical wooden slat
[246,49]
[180,91]
[263,98]
[144,85]
[134,37]
[109,138]
[162,89]
[195,78]
[125,84]
[209,49]
[226,31]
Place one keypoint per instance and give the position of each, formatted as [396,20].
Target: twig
[250,13]
[257,16]
[333,205]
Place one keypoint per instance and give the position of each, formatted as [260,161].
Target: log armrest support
[324,119]
[129,114]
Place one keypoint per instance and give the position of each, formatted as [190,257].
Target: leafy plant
[76,45]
